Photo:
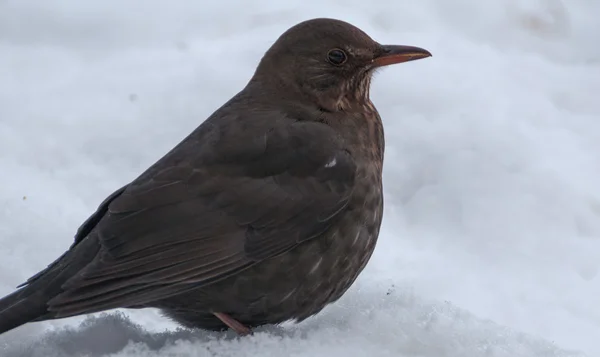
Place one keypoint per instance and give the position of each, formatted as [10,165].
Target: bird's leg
[233,324]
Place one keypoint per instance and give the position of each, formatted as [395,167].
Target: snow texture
[490,244]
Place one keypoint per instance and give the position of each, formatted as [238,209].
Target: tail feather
[30,303]
[16,310]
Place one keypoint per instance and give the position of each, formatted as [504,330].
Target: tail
[16,310]
[30,303]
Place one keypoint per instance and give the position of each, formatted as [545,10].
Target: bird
[267,212]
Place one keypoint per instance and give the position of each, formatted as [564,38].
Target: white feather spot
[287,296]
[356,237]
[316,266]
[331,163]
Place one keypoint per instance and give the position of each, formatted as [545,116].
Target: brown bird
[267,212]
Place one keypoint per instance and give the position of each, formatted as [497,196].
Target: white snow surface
[490,244]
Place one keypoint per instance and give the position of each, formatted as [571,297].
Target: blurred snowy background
[491,238]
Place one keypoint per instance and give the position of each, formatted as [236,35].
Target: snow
[490,244]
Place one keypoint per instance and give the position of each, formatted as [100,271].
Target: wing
[211,208]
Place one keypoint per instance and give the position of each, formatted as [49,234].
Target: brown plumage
[267,212]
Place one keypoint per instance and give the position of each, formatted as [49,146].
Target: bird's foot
[233,324]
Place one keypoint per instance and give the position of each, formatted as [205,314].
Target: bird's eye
[337,57]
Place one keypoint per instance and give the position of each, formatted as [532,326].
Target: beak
[392,54]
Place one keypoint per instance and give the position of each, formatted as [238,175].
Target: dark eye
[337,57]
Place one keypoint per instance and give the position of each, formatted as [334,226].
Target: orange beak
[393,54]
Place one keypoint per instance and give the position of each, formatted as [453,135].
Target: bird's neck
[352,95]
[351,113]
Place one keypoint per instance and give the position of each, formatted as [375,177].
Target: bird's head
[329,61]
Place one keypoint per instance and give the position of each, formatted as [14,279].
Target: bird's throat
[351,95]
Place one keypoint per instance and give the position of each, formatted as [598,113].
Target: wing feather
[206,212]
